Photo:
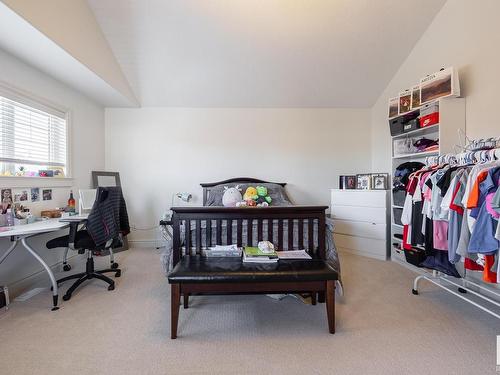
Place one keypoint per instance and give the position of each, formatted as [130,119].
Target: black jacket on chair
[108,218]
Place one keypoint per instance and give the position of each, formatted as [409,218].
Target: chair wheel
[67,297]
[118,273]
[114,265]
[415,292]
[111,287]
[66,267]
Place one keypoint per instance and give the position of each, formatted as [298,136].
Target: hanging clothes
[452,211]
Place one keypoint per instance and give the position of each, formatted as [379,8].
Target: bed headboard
[241,180]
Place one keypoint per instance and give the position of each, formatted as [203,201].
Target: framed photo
[380,181]
[393,107]
[363,181]
[404,102]
[347,182]
[415,97]
[438,85]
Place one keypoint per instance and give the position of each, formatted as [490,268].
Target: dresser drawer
[361,246]
[361,229]
[359,198]
[364,214]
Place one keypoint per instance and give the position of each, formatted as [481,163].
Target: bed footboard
[289,228]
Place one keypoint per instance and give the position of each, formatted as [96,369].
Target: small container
[411,125]
[415,256]
[20,221]
[429,114]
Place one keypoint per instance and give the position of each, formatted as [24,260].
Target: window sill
[26,181]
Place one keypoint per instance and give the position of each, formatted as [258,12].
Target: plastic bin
[415,256]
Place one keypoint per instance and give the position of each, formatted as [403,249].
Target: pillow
[276,192]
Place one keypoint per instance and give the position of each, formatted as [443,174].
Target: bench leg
[321,297]
[330,305]
[174,305]
[186,300]
[313,298]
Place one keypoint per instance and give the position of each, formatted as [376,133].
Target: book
[256,252]
[293,254]
[259,259]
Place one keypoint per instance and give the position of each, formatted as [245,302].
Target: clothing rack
[466,292]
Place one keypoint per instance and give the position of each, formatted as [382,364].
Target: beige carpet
[381,329]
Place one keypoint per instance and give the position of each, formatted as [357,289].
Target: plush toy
[231,197]
[263,199]
[250,193]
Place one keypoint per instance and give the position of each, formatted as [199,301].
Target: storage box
[411,125]
[396,126]
[415,256]
[397,212]
[429,114]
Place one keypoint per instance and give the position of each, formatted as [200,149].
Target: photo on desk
[35,194]
[20,195]
[47,194]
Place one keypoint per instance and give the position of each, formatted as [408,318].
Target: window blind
[31,135]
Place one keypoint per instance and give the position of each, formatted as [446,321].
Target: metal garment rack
[445,282]
[437,278]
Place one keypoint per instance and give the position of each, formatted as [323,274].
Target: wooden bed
[193,274]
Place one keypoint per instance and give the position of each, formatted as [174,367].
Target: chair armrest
[73,228]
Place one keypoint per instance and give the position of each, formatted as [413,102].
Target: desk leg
[11,248]
[47,268]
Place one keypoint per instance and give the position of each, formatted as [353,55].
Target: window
[33,137]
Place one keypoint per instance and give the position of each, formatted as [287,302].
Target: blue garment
[483,239]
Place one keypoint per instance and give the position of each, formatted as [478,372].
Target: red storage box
[429,114]
[429,120]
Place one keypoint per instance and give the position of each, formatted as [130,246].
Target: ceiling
[261,53]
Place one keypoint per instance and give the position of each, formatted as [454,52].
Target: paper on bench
[293,254]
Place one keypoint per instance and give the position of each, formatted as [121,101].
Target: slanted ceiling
[261,53]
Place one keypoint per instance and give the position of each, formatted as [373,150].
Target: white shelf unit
[451,120]
[361,222]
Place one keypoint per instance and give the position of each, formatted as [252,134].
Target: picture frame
[439,85]
[393,107]
[347,182]
[363,181]
[405,101]
[380,181]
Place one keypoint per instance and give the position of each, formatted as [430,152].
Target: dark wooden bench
[194,274]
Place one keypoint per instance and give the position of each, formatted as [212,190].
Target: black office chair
[102,231]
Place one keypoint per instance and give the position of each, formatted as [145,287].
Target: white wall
[464,34]
[160,151]
[87,153]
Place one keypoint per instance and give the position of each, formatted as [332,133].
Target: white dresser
[362,222]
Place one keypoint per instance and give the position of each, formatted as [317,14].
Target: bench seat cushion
[196,269]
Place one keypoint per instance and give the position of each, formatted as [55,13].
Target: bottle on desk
[71,202]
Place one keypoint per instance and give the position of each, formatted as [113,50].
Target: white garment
[445,203]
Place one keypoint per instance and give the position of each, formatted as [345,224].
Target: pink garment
[490,209]
[440,234]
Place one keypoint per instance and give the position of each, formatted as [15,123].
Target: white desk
[20,233]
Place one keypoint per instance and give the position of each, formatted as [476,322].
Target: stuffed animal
[250,193]
[231,196]
[263,200]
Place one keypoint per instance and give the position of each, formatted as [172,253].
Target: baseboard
[40,277]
